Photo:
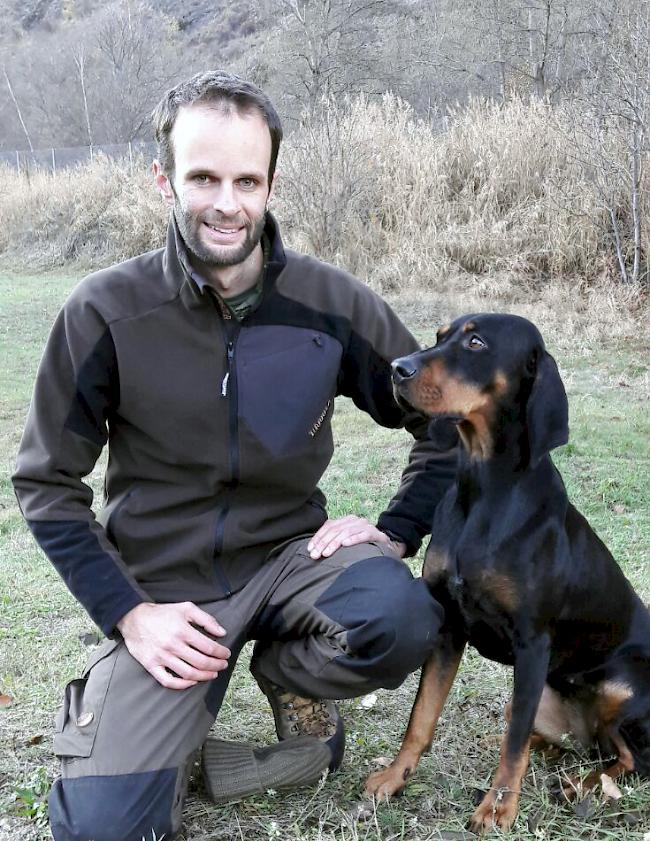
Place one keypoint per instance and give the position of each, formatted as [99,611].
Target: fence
[53,159]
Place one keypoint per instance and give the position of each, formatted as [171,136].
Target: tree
[609,130]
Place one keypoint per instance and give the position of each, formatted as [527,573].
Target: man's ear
[274,181]
[163,183]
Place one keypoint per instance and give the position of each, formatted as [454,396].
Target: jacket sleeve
[76,392]
[378,337]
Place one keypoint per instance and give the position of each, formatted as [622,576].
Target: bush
[369,186]
[97,213]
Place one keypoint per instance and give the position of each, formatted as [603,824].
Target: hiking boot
[296,716]
[233,770]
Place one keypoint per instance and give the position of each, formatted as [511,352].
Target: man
[210,369]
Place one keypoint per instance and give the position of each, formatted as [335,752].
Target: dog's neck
[505,464]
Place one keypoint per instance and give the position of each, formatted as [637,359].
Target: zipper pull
[230,353]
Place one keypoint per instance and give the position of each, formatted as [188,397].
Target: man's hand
[348,531]
[165,640]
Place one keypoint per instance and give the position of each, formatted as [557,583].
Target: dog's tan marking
[501,588]
[435,391]
[558,718]
[612,694]
[443,331]
[475,433]
[499,806]
[436,563]
[624,764]
[468,326]
[499,384]
[438,674]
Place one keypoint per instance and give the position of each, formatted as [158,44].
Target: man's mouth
[228,233]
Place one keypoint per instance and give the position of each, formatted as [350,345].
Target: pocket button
[85,719]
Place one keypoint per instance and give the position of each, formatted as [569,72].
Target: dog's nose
[403,369]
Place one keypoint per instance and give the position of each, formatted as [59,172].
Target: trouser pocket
[78,719]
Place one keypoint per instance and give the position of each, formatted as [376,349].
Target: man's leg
[127,745]
[339,628]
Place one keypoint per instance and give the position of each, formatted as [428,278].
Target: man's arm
[377,338]
[430,472]
[76,392]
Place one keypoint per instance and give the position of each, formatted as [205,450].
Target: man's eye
[201,179]
[247,183]
[475,342]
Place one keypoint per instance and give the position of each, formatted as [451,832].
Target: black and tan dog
[520,572]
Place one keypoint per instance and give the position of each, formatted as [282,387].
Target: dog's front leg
[499,806]
[438,674]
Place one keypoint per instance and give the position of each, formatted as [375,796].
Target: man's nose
[403,369]
[225,200]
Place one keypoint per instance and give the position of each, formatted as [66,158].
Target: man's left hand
[348,531]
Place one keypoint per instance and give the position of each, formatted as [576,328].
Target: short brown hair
[213,87]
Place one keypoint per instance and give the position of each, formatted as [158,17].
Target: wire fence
[64,157]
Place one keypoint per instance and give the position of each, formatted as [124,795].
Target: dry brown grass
[495,207]
[97,213]
[496,192]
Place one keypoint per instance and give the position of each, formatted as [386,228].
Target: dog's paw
[383,785]
[497,808]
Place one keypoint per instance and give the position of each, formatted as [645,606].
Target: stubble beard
[189,225]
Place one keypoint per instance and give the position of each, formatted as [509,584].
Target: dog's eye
[475,342]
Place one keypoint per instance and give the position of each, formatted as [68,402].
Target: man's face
[220,188]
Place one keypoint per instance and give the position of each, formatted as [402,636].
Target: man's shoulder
[312,277]
[348,302]
[124,289]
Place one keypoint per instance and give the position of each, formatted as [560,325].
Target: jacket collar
[178,272]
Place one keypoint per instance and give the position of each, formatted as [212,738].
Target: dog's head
[486,372]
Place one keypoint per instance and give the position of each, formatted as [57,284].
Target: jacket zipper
[229,392]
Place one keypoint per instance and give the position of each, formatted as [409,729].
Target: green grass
[606,469]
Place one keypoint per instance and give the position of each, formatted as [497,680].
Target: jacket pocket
[77,721]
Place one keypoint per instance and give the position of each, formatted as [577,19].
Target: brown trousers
[333,628]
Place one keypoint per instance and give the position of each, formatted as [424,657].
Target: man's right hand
[164,639]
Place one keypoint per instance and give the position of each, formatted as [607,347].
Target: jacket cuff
[401,530]
[94,578]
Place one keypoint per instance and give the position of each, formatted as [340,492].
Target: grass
[605,467]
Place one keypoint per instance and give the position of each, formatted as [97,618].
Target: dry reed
[495,193]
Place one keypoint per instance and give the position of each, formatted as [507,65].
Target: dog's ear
[547,413]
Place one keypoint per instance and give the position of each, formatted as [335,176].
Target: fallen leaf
[610,789]
[586,808]
[381,761]
[533,821]
[36,740]
[6,700]
[477,796]
[632,818]
[361,811]
[368,701]
[90,638]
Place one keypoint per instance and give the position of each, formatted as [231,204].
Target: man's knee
[126,807]
[392,620]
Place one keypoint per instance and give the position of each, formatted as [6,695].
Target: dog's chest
[479,595]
